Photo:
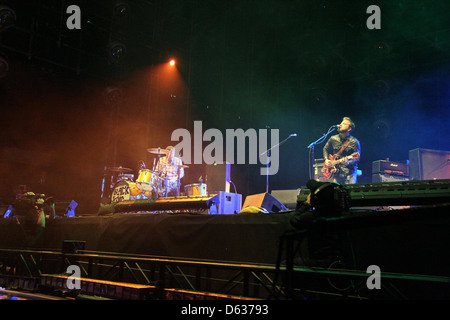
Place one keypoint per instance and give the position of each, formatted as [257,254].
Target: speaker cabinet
[264,200]
[426,164]
[379,177]
[218,178]
[390,168]
[287,197]
[229,203]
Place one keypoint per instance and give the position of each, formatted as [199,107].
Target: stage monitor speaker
[264,200]
[218,178]
[287,197]
[427,164]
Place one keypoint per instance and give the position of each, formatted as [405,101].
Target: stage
[244,238]
[182,243]
[407,240]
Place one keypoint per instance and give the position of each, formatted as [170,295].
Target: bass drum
[123,191]
[196,189]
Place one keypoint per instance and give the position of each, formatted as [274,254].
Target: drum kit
[149,184]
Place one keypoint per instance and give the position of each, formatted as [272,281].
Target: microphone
[336,126]
[293,135]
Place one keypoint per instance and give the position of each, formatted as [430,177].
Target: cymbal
[119,169]
[158,151]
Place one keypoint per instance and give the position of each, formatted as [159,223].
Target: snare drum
[196,189]
[123,191]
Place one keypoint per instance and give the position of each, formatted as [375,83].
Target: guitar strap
[344,145]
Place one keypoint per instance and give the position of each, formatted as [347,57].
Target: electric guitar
[329,171]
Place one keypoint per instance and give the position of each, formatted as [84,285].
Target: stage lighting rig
[7,17]
[121,9]
[112,94]
[116,51]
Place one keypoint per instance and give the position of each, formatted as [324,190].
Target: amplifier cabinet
[379,177]
[390,168]
[427,164]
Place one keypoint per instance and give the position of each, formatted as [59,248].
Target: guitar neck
[335,162]
[344,159]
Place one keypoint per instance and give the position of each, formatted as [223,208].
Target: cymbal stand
[178,181]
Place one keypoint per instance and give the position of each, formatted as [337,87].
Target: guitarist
[341,145]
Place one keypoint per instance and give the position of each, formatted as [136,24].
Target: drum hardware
[158,151]
[144,187]
[119,169]
[111,176]
[123,176]
[178,185]
[149,183]
[118,173]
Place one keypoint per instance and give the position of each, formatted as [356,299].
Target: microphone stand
[311,147]
[268,158]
